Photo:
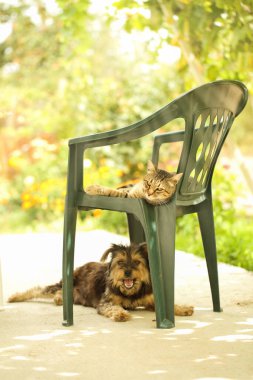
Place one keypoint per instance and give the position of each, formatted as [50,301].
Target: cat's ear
[151,167]
[176,178]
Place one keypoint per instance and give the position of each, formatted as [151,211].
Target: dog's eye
[137,262]
[120,263]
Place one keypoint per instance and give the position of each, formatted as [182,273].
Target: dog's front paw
[184,310]
[121,316]
[93,189]
[114,312]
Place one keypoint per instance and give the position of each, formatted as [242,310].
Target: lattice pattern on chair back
[210,130]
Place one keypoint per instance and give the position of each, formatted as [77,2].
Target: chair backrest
[209,112]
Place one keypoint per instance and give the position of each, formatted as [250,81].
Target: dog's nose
[128,272]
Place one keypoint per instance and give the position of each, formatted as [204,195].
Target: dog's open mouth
[128,283]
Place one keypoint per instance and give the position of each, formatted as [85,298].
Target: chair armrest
[169,137]
[163,138]
[131,132]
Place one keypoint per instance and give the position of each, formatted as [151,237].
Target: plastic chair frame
[218,102]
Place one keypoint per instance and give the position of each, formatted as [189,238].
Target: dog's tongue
[128,283]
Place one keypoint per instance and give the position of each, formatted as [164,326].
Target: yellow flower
[26,205]
[119,173]
[42,200]
[14,162]
[25,197]
[96,213]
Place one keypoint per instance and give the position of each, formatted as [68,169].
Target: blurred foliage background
[71,68]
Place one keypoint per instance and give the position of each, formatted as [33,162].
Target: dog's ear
[106,254]
[114,248]
[143,249]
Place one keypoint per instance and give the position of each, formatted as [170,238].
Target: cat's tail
[36,293]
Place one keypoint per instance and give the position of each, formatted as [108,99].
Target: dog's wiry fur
[112,287]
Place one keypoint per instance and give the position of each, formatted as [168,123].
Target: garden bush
[232,224]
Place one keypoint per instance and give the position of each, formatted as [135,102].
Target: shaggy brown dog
[112,287]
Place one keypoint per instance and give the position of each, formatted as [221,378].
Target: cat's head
[159,185]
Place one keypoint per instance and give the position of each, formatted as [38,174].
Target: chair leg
[206,222]
[135,229]
[68,264]
[160,232]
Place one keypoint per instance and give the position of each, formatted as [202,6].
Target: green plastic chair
[208,112]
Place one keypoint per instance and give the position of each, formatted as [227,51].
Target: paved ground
[34,344]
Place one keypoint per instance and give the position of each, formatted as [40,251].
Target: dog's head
[128,270]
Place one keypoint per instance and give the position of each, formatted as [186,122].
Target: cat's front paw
[93,190]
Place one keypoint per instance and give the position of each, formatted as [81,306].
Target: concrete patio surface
[34,344]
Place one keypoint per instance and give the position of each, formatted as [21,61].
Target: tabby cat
[157,187]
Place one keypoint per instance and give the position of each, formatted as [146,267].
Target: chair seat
[86,202]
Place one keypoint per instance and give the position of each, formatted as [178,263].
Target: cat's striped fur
[157,187]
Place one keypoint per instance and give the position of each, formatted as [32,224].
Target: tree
[60,81]
[215,37]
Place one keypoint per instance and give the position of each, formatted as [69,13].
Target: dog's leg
[55,291]
[182,310]
[58,298]
[114,312]
[29,294]
[50,291]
